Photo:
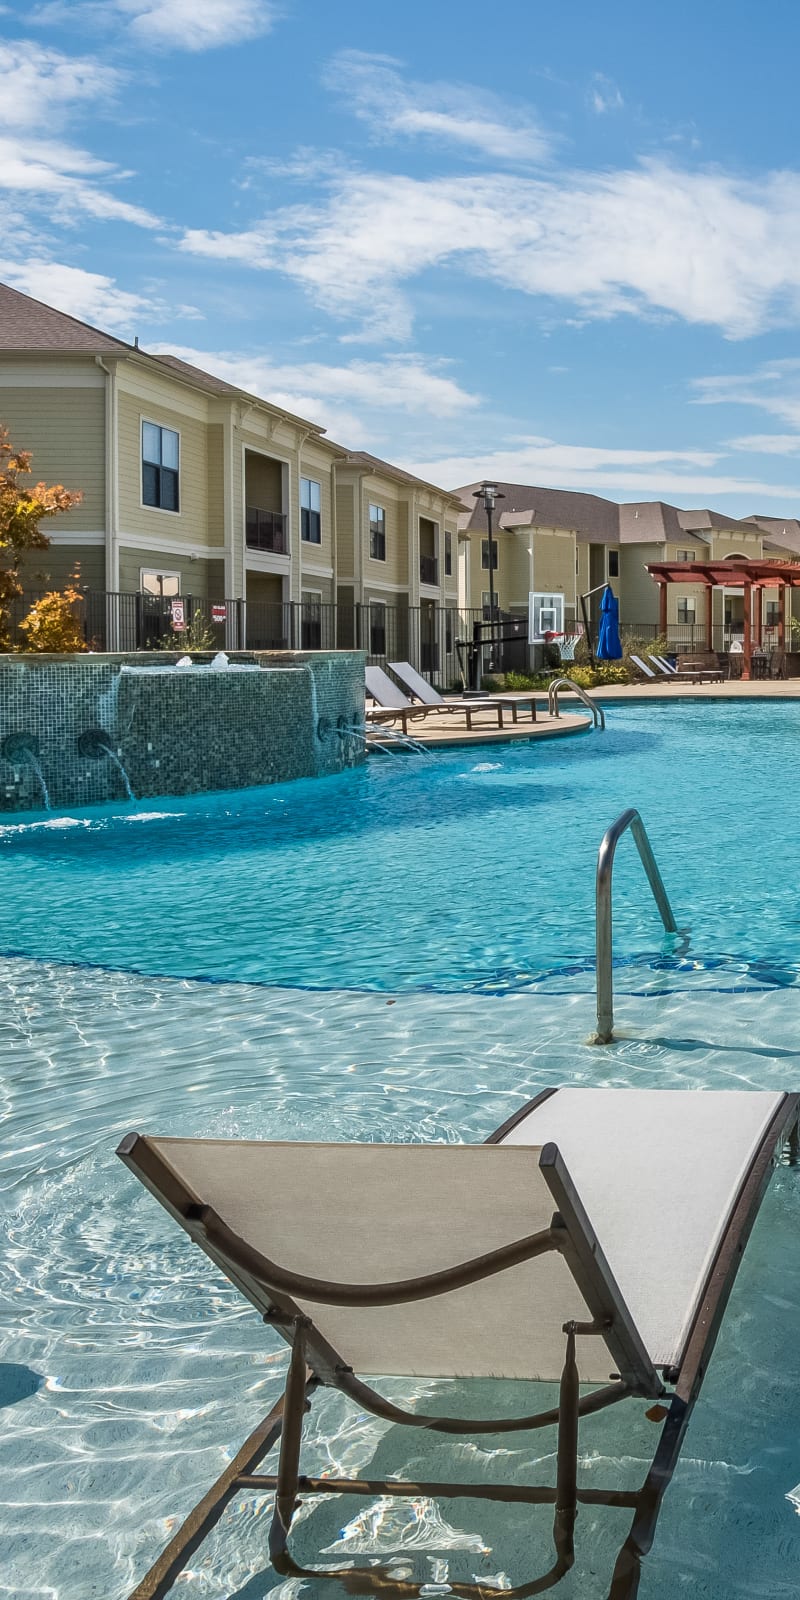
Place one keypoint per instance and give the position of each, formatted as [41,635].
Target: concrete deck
[662,689]
[441,731]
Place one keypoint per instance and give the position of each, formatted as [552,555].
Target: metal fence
[435,639]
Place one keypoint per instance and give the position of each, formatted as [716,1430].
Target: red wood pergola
[751,576]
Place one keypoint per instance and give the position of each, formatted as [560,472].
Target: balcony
[266,530]
[428,570]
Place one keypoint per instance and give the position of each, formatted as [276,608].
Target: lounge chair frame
[314,1362]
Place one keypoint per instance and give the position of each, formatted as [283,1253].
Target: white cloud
[167,24]
[89,296]
[623,474]
[332,395]
[40,85]
[768,444]
[652,240]
[67,180]
[446,113]
[773,387]
[604,95]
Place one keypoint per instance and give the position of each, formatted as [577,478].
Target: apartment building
[196,491]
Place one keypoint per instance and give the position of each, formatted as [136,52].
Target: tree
[21,511]
[51,623]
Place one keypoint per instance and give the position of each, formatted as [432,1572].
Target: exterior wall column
[748,643]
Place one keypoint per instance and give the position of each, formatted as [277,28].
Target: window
[485,554]
[448,554]
[160,462]
[613,563]
[686,555]
[310,522]
[686,610]
[377,539]
[773,616]
[165,584]
[486,606]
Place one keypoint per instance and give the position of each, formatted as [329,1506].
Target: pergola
[734,573]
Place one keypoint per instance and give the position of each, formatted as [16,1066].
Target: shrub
[51,623]
[604,673]
[198,636]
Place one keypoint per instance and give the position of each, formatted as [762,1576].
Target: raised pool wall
[178,732]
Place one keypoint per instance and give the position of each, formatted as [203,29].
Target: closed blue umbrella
[609,645]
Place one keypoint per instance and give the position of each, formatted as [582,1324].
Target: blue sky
[553,244]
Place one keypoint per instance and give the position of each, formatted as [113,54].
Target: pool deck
[755,689]
[441,732]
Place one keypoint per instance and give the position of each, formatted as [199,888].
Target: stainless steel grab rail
[598,714]
[603,919]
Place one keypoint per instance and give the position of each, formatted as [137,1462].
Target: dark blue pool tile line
[751,981]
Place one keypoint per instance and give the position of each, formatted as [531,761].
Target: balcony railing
[428,569]
[266,530]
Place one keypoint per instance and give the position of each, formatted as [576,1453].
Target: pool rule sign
[178,614]
[219,613]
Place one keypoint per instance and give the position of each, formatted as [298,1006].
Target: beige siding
[554,565]
[193,574]
[319,470]
[345,529]
[638,593]
[264,587]
[395,568]
[191,522]
[215,483]
[65,430]
[51,569]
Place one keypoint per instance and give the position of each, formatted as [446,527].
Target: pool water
[398,953]
[470,870]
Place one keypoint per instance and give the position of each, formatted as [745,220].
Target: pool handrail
[598,714]
[603,912]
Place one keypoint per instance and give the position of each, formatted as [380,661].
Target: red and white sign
[178,614]
[219,613]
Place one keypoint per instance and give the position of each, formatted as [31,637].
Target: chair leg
[295,1407]
[567,1458]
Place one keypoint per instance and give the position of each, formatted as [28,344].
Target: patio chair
[665,667]
[393,705]
[541,1256]
[423,691]
[641,666]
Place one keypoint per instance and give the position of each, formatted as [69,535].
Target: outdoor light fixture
[490,494]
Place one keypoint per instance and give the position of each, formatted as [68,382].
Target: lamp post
[490,494]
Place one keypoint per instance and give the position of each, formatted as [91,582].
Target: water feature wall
[90,722]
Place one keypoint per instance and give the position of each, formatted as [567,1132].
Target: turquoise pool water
[468,871]
[399,953]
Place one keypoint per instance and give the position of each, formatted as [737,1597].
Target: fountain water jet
[96,743]
[19,748]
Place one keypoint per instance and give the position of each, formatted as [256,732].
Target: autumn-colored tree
[52,622]
[21,511]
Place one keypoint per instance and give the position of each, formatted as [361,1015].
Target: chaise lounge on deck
[540,1256]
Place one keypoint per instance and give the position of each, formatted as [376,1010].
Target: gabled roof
[27,324]
[649,522]
[713,522]
[363,459]
[780,533]
[587,514]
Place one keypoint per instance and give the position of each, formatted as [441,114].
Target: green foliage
[794,633]
[198,636]
[52,624]
[22,508]
[520,681]
[592,677]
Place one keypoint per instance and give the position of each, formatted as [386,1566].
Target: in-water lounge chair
[419,689]
[393,705]
[593,1240]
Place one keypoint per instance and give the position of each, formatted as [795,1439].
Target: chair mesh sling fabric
[539,1256]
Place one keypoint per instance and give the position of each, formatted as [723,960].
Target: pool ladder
[598,714]
[603,917]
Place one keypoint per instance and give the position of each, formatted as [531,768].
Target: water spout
[96,743]
[23,747]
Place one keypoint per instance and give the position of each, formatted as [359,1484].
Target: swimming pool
[469,871]
[398,953]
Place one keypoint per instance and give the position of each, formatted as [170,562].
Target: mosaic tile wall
[297,716]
